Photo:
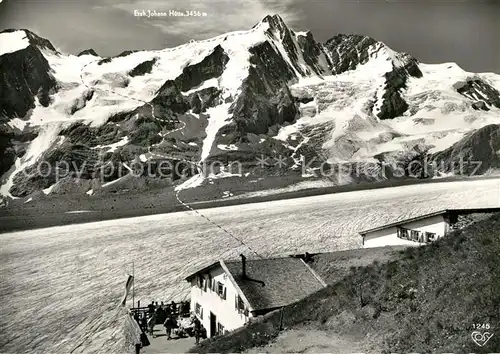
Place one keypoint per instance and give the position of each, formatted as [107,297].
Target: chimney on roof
[243,266]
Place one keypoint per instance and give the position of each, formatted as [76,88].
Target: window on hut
[200,281]
[198,310]
[209,282]
[239,304]
[403,233]
[221,290]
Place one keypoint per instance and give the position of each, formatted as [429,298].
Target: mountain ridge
[267,91]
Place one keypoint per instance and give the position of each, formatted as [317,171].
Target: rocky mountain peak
[89,51]
[276,25]
[34,39]
[275,21]
[39,42]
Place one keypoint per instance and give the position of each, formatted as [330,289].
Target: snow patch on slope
[237,48]
[193,182]
[67,69]
[17,123]
[48,134]
[204,85]
[218,117]
[224,147]
[114,146]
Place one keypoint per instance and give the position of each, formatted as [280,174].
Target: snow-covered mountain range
[77,123]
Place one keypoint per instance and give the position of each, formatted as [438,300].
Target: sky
[434,31]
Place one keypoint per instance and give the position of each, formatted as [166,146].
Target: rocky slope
[350,108]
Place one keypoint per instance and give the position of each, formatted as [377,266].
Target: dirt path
[315,341]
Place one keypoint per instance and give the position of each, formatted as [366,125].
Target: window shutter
[224,294]
[201,313]
[198,281]
[205,281]
[212,285]
[236,301]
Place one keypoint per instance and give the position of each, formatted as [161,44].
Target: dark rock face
[37,41]
[104,61]
[26,74]
[83,134]
[66,161]
[472,155]
[255,113]
[143,68]
[145,132]
[279,30]
[77,157]
[410,164]
[393,104]
[347,51]
[312,52]
[32,179]
[304,99]
[276,23]
[125,53]
[265,99]
[411,67]
[195,102]
[285,107]
[203,99]
[8,155]
[480,106]
[89,51]
[121,116]
[476,89]
[170,101]
[273,70]
[212,66]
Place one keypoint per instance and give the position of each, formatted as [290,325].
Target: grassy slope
[426,301]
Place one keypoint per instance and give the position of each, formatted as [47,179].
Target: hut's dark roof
[273,283]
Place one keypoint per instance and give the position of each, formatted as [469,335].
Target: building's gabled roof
[401,222]
[425,216]
[273,283]
[203,270]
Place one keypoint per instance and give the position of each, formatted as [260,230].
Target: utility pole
[133,286]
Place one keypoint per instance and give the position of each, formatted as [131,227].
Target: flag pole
[133,286]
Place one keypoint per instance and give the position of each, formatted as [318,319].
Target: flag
[128,285]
